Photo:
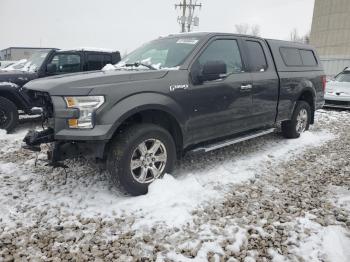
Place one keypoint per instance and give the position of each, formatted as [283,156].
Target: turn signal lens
[73,123]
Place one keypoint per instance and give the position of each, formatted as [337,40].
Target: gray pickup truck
[183,93]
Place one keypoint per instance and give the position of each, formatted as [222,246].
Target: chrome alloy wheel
[148,161]
[302,120]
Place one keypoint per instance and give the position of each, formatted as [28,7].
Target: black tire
[122,149]
[8,114]
[289,128]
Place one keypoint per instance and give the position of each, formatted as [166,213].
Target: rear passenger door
[265,80]
[97,61]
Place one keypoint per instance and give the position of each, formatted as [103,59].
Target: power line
[188,18]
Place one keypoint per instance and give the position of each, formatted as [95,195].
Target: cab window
[66,63]
[225,50]
[257,56]
[94,62]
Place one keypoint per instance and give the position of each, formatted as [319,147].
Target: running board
[229,142]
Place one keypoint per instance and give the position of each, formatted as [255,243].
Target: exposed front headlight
[87,105]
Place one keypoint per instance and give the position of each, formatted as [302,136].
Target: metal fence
[334,66]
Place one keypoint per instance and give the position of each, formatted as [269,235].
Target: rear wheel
[139,156]
[8,114]
[300,121]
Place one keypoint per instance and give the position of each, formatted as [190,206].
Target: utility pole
[189,20]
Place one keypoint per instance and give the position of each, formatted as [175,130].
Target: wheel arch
[11,95]
[309,96]
[149,108]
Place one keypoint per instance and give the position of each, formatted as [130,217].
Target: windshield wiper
[137,64]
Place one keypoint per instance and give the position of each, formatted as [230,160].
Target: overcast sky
[124,25]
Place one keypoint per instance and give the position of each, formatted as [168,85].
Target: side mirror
[51,68]
[213,70]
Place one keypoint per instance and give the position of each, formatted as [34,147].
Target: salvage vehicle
[186,93]
[337,93]
[43,64]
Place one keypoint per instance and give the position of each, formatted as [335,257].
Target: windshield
[31,65]
[161,53]
[343,77]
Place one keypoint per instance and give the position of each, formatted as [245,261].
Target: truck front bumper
[340,101]
[61,149]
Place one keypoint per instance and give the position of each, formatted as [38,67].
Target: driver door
[220,107]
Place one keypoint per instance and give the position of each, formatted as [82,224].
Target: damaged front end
[59,149]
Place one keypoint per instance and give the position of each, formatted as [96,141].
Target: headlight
[87,105]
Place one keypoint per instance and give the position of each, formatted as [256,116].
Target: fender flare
[12,93]
[131,105]
[306,88]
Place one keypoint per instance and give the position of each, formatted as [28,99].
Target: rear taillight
[324,82]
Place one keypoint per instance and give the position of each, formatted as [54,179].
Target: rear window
[291,56]
[298,57]
[308,58]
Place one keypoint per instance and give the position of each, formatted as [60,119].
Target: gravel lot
[268,199]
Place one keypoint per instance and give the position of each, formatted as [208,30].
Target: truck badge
[176,87]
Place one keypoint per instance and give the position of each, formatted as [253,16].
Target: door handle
[246,87]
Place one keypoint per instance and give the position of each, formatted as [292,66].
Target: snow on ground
[330,243]
[189,190]
[199,182]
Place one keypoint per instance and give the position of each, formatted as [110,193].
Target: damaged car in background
[13,98]
[187,93]
[338,91]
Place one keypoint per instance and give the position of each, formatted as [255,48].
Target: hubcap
[3,118]
[148,161]
[302,121]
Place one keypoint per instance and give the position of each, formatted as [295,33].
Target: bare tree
[255,30]
[242,29]
[295,37]
[246,29]
[307,37]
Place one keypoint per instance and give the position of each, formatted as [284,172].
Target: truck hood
[82,83]
[336,87]
[17,77]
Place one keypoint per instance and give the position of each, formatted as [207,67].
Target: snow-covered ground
[214,206]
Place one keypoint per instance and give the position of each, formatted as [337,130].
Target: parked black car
[43,64]
[190,92]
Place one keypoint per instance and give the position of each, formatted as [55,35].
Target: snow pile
[329,243]
[341,196]
[108,67]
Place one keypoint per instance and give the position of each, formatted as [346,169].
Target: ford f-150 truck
[43,64]
[192,92]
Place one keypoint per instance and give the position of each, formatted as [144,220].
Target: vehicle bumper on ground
[64,149]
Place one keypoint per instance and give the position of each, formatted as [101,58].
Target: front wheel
[300,121]
[140,155]
[8,114]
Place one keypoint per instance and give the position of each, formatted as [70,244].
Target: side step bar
[229,142]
